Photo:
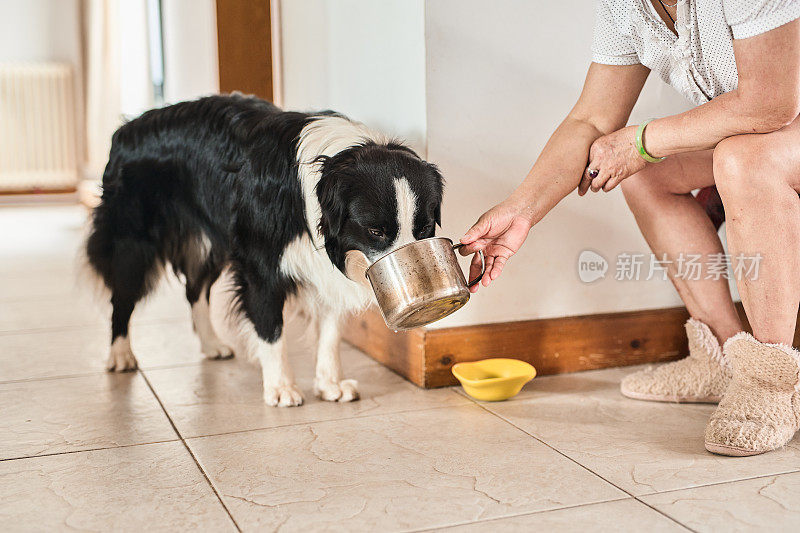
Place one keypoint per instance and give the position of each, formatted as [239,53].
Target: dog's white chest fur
[321,281]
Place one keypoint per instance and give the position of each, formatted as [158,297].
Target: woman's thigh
[768,156]
[679,173]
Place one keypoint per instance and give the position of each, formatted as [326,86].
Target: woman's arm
[609,93]
[767,98]
[608,96]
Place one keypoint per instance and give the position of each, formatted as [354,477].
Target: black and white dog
[280,199]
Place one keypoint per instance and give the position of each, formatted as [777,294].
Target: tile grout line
[517,515]
[84,326]
[581,465]
[668,517]
[86,374]
[99,449]
[715,483]
[189,450]
[90,373]
[324,421]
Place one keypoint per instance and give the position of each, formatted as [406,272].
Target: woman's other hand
[499,232]
[614,157]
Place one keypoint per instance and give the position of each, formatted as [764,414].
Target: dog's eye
[375,232]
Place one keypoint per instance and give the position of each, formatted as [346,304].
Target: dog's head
[375,198]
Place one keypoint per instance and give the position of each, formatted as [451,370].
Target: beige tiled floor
[187,444]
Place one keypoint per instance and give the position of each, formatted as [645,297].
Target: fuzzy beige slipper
[702,377]
[761,409]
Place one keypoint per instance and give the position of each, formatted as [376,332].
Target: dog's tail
[93,257]
[119,256]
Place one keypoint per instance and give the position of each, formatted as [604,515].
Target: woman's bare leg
[758,177]
[673,223]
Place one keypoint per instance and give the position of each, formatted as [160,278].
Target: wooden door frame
[245,47]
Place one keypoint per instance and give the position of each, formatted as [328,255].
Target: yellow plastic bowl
[493,380]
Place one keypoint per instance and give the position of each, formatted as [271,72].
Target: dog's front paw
[216,350]
[121,358]
[336,391]
[283,396]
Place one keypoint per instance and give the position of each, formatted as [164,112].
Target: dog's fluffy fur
[282,199]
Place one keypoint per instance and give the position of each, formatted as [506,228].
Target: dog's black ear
[330,200]
[438,184]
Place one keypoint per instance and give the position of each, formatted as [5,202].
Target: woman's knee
[743,166]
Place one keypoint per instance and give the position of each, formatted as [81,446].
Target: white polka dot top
[699,61]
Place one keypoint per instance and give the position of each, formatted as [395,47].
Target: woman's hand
[614,157]
[499,232]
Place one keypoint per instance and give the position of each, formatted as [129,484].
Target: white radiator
[37,127]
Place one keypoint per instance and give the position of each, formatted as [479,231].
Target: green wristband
[640,146]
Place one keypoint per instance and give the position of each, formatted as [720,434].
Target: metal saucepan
[420,283]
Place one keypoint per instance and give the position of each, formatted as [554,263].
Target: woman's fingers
[600,180]
[586,181]
[475,271]
[491,270]
[475,267]
[610,184]
[489,262]
[494,266]
[473,247]
[497,267]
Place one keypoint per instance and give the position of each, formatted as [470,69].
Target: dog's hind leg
[198,295]
[210,344]
[329,383]
[195,259]
[120,357]
[131,276]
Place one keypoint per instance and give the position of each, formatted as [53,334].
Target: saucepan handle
[474,282]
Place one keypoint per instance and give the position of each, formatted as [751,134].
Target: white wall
[363,58]
[189,30]
[40,30]
[499,81]
[190,49]
[135,85]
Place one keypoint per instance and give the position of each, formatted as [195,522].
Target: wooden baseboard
[403,352]
[553,345]
[36,191]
